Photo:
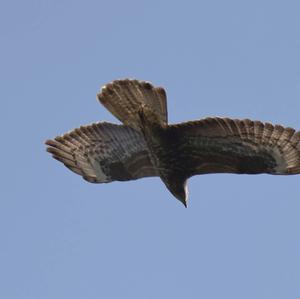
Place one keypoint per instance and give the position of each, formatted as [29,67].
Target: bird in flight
[145,145]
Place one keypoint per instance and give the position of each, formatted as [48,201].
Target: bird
[146,145]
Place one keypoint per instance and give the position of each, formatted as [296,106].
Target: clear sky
[62,237]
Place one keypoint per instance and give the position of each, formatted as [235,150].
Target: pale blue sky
[64,238]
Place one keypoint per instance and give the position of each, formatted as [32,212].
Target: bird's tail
[127,99]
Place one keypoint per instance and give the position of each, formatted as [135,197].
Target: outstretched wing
[215,145]
[125,98]
[103,152]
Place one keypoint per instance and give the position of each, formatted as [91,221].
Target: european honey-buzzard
[146,145]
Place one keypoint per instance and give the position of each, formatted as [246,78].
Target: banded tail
[126,98]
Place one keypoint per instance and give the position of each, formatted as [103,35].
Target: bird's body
[146,145]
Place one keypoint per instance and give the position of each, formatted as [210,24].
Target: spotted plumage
[145,145]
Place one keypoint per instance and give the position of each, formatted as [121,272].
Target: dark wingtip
[48,142]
